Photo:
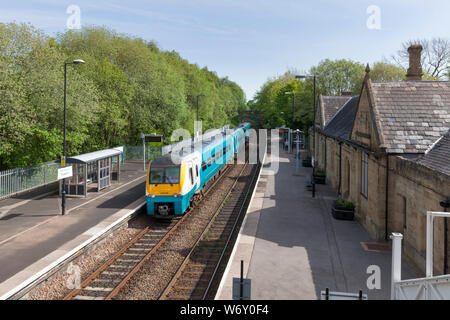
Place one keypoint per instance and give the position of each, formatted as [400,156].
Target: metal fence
[17,180]
[14,181]
[136,153]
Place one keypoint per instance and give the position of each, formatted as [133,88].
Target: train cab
[170,185]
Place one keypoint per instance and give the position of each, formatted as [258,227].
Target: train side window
[191,175]
[204,166]
[196,170]
[213,158]
[224,149]
[209,161]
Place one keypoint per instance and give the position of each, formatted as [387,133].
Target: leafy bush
[128,86]
[344,204]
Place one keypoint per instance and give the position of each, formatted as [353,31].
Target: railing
[136,153]
[434,288]
[17,180]
[427,288]
[14,181]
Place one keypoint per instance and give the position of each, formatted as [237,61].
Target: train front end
[164,189]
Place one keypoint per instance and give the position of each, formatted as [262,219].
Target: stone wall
[413,190]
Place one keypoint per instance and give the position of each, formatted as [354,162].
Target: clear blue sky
[248,40]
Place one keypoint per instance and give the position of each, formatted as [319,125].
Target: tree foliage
[333,77]
[126,87]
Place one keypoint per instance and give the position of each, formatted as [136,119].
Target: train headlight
[153,195]
[176,195]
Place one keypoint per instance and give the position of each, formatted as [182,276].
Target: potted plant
[343,210]
[319,177]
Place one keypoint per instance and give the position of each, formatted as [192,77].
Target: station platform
[34,234]
[293,248]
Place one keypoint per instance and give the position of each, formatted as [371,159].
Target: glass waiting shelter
[92,171]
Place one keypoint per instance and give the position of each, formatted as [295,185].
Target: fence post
[396,272]
[45,173]
[17,180]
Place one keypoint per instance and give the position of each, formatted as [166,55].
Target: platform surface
[33,233]
[293,248]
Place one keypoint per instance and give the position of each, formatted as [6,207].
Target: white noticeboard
[65,172]
[341,296]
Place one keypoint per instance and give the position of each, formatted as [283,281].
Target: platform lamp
[63,161]
[314,132]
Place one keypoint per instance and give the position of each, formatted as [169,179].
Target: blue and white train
[171,187]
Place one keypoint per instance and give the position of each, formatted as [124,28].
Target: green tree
[386,72]
[336,76]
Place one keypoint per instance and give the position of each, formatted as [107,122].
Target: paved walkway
[293,248]
[33,234]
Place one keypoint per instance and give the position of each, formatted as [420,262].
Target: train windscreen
[165,174]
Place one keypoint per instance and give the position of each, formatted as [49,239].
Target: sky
[250,41]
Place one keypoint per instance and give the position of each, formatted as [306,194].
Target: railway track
[196,276]
[109,278]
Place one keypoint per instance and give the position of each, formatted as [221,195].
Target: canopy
[93,156]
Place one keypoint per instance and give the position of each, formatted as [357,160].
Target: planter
[342,213]
[319,179]
[306,163]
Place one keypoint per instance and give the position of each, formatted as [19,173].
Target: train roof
[208,141]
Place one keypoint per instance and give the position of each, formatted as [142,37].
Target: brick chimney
[415,67]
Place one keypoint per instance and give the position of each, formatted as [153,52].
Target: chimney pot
[415,72]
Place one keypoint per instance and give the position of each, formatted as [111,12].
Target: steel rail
[103,267]
[231,234]
[116,290]
[205,230]
[139,236]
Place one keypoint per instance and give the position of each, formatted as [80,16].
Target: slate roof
[438,157]
[329,105]
[340,124]
[412,115]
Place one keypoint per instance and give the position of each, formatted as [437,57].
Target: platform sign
[65,172]
[246,290]
[152,137]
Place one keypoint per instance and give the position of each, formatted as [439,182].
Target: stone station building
[387,150]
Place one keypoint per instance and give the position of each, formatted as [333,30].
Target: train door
[190,173]
[197,168]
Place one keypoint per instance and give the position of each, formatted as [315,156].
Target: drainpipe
[326,154]
[445,204]
[340,168]
[387,199]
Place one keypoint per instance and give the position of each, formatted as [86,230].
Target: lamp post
[314,132]
[293,103]
[297,158]
[63,192]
